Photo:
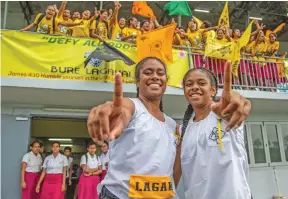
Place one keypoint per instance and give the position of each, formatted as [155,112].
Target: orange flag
[141,8]
[277,29]
[157,43]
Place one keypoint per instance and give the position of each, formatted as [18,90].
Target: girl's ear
[213,91]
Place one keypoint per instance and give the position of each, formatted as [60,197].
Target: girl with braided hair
[213,158]
[142,138]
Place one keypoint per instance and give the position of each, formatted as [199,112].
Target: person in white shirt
[213,157]
[104,158]
[53,174]
[30,171]
[90,177]
[68,153]
[143,143]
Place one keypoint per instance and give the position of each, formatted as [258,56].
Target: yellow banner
[224,18]
[32,55]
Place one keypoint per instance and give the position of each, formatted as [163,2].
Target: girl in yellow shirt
[83,30]
[132,31]
[117,27]
[272,49]
[180,37]
[101,26]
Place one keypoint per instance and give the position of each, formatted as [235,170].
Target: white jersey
[34,162]
[147,147]
[208,172]
[104,160]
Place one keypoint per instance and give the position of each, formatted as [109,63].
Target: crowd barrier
[254,73]
[260,73]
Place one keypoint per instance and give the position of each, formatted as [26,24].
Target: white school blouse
[104,159]
[92,163]
[34,162]
[55,165]
[208,172]
[147,147]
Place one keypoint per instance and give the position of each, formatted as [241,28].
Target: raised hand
[232,106]
[107,121]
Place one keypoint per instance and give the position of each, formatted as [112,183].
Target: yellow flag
[241,43]
[228,50]
[198,21]
[282,66]
[157,43]
[224,16]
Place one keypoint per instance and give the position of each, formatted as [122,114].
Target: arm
[32,25]
[41,180]
[64,175]
[62,8]
[96,15]
[23,167]
[177,171]
[114,17]
[227,35]
[69,24]
[124,38]
[211,28]
[99,170]
[94,35]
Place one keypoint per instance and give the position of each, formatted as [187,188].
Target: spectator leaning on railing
[48,22]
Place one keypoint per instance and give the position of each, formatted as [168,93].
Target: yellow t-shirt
[63,30]
[45,25]
[248,48]
[271,48]
[260,50]
[183,42]
[131,31]
[81,30]
[101,28]
[117,32]
[195,39]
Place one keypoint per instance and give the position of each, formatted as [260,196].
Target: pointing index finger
[227,77]
[118,91]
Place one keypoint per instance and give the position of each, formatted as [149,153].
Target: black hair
[55,142]
[207,24]
[106,142]
[91,143]
[189,111]
[144,21]
[181,28]
[103,10]
[35,142]
[137,74]
[41,145]
[68,148]
[130,19]
[233,32]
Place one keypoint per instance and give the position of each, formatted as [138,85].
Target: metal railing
[257,73]
[254,73]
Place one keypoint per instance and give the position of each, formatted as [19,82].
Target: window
[284,131]
[258,143]
[273,142]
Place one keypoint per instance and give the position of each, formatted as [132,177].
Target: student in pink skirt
[53,174]
[90,177]
[30,171]
[104,159]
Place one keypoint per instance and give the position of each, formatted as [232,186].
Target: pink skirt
[197,61]
[103,174]
[244,67]
[51,188]
[215,65]
[87,187]
[31,180]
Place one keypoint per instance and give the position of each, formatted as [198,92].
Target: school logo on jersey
[214,135]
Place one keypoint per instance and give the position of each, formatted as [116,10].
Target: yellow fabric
[198,21]
[277,29]
[195,39]
[63,30]
[81,30]
[220,134]
[101,28]
[156,187]
[117,31]
[33,55]
[282,67]
[46,25]
[248,48]
[224,16]
[271,48]
[157,43]
[221,49]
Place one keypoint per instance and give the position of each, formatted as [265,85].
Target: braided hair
[137,74]
[189,111]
